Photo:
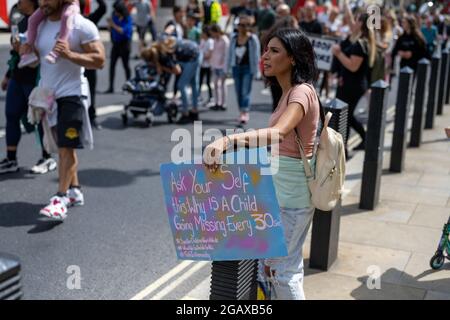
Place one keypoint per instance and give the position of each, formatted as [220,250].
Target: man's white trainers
[75,196]
[56,209]
[44,166]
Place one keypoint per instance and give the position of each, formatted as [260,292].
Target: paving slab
[430,216]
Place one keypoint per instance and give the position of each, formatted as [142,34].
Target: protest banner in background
[322,49]
[231,214]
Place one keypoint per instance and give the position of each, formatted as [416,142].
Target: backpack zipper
[330,175]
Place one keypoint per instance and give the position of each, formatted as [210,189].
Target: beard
[49,10]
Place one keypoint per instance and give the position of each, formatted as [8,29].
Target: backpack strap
[325,120]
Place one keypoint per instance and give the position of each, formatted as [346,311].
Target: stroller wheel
[172,112]
[437,261]
[124,119]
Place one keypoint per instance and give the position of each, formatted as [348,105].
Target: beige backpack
[327,182]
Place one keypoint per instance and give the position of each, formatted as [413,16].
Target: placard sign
[231,214]
[322,49]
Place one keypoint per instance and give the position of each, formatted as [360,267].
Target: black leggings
[119,50]
[91,76]
[205,72]
[352,96]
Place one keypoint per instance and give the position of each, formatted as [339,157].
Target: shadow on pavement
[402,291]
[115,123]
[22,174]
[18,214]
[109,178]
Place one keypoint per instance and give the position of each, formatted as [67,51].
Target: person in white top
[65,79]
[206,48]
[219,58]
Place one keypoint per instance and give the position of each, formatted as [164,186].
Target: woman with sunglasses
[243,59]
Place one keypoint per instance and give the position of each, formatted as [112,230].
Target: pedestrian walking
[144,21]
[218,65]
[121,27]
[18,84]
[91,74]
[411,45]
[356,57]
[206,48]
[289,62]
[65,79]
[243,60]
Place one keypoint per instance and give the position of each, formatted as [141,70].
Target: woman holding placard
[290,64]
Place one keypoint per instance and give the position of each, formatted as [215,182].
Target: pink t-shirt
[219,54]
[306,96]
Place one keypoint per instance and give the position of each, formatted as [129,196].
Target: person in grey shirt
[144,20]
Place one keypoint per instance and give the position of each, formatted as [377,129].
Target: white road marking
[162,280]
[103,111]
[172,286]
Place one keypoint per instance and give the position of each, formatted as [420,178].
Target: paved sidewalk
[398,238]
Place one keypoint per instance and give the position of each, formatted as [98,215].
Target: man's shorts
[70,122]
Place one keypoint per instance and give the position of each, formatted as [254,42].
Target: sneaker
[76,197]
[27,59]
[51,57]
[8,166]
[44,166]
[56,209]
[193,116]
[244,118]
[129,86]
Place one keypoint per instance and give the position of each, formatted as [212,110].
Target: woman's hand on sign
[336,49]
[212,154]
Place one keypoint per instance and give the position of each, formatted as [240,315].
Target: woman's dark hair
[300,48]
[216,29]
[369,36]
[35,3]
[121,8]
[206,30]
[176,9]
[415,30]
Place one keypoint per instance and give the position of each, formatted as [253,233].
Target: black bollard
[10,287]
[325,238]
[373,158]
[326,224]
[447,95]
[234,280]
[442,81]
[421,98]
[433,91]
[401,119]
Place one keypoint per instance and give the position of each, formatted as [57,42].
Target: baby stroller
[437,261]
[148,96]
